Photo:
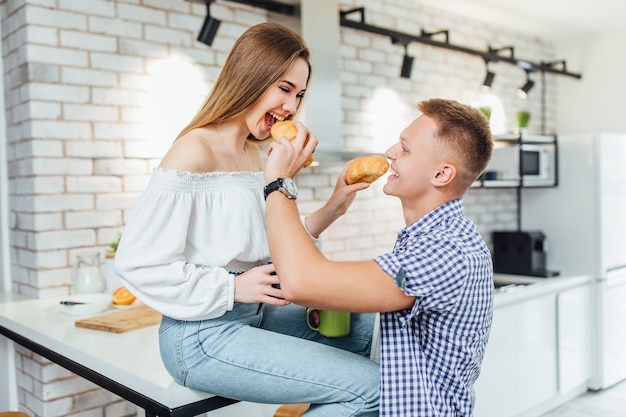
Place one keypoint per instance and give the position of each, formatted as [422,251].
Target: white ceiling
[552,19]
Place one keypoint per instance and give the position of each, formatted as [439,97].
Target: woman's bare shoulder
[190,153]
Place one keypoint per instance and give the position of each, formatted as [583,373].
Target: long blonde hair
[256,61]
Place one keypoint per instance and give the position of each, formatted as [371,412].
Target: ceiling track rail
[426,38]
[490,55]
[272,6]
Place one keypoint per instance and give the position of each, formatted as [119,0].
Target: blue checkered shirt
[431,354]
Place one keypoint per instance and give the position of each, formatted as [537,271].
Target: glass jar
[88,276]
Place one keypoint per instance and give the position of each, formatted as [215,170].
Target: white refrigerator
[584,220]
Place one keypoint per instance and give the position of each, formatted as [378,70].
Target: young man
[434,290]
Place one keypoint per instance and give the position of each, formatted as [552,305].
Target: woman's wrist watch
[283,184]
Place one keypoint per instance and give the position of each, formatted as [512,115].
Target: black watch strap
[272,186]
[283,184]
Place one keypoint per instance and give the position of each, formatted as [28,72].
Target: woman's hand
[255,286]
[285,158]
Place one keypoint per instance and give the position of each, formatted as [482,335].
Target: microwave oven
[535,162]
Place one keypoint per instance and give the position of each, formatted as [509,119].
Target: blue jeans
[267,354]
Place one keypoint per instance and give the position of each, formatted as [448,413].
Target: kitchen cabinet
[519,369]
[610,331]
[539,352]
[574,336]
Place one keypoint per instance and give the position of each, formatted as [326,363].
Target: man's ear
[445,175]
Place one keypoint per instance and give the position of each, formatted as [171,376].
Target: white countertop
[536,288]
[133,358]
[130,358]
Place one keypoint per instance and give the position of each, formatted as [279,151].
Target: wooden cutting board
[122,321]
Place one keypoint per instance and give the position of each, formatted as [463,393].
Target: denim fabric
[267,354]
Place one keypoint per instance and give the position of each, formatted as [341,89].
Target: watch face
[290,186]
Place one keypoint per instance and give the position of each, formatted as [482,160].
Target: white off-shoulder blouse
[187,238]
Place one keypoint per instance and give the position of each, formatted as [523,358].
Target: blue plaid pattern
[431,354]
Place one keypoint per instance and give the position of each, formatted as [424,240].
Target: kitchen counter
[107,355]
[127,364]
[520,288]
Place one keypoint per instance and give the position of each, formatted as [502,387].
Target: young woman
[195,249]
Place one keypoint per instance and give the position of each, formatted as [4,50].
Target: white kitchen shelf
[524,137]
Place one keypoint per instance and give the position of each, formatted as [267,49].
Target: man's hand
[337,205]
[343,195]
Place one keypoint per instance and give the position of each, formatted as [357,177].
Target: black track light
[407,64]
[209,27]
[522,92]
[489,76]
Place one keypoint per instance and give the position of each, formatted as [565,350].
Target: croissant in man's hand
[367,169]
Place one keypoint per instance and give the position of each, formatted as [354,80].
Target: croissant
[367,169]
[287,129]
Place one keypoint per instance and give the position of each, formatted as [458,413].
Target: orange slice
[122,296]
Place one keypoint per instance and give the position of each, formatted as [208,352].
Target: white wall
[8,397]
[82,79]
[596,102]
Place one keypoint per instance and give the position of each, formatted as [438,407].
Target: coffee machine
[520,253]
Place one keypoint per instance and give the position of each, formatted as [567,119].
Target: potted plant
[112,248]
[486,111]
[522,118]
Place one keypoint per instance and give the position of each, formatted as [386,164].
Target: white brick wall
[78,77]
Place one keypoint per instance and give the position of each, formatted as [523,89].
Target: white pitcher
[88,276]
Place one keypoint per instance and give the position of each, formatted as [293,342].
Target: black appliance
[520,253]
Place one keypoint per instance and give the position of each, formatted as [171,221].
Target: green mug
[332,323]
